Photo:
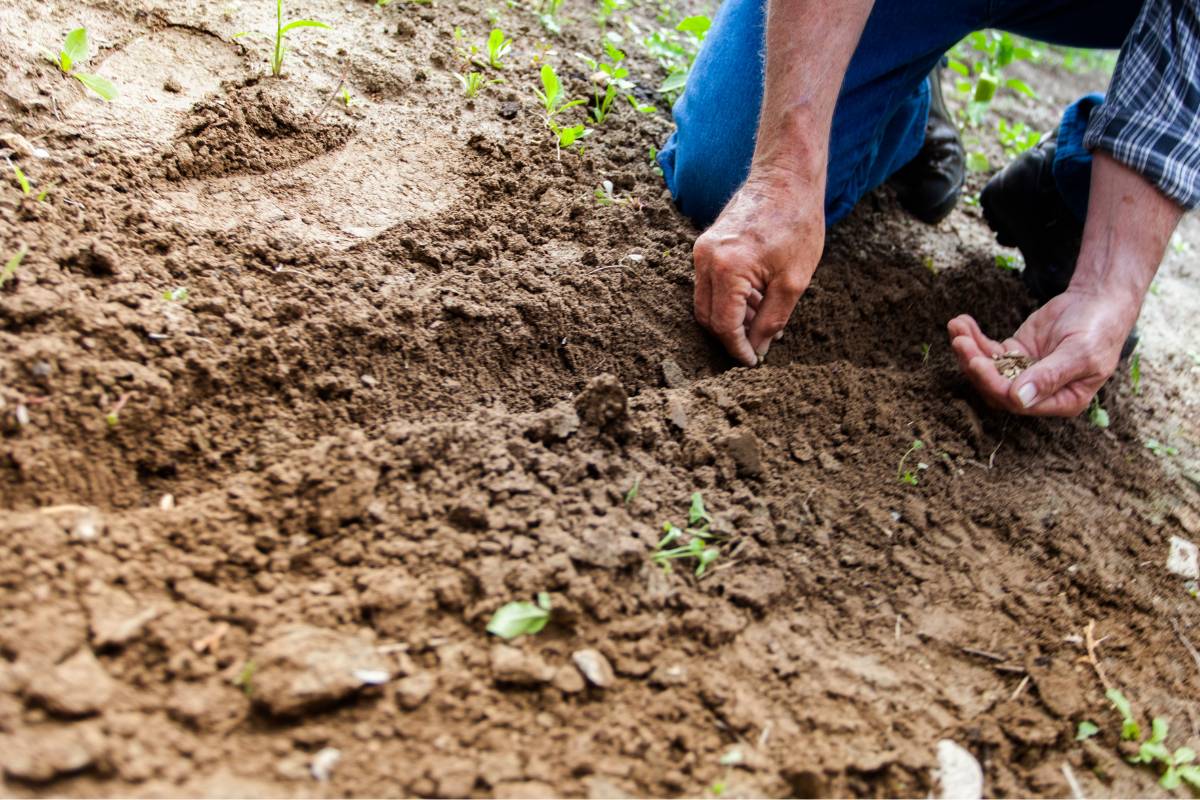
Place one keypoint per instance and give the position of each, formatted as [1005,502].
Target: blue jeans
[879,120]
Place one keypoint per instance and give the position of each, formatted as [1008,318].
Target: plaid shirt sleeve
[1150,119]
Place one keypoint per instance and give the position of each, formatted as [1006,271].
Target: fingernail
[778,336]
[761,352]
[1027,394]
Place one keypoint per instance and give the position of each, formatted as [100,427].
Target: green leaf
[543,600]
[101,86]
[697,514]
[640,107]
[1150,752]
[516,619]
[75,49]
[958,66]
[1184,755]
[1087,729]
[1191,775]
[632,494]
[697,26]
[673,83]
[552,86]
[22,181]
[304,23]
[985,88]
[1135,372]
[978,162]
[1170,779]
[10,268]
[1158,730]
[1018,85]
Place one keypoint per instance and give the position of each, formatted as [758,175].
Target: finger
[781,297]
[1056,385]
[703,293]
[992,386]
[751,313]
[965,324]
[729,306]
[755,299]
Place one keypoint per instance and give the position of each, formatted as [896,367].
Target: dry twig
[1089,638]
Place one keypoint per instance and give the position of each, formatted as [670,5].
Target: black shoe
[1022,204]
[928,187]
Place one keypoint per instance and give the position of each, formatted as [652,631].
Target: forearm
[809,45]
[1129,224]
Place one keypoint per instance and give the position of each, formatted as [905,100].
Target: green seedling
[1008,262]
[519,618]
[640,107]
[653,157]
[27,187]
[608,76]
[497,48]
[906,475]
[473,82]
[282,29]
[348,100]
[1135,372]
[177,295]
[1161,450]
[1086,730]
[1016,137]
[1131,731]
[696,541]
[1097,415]
[676,54]
[245,678]
[552,94]
[548,16]
[1177,767]
[606,8]
[925,353]
[606,196]
[75,52]
[10,266]
[632,494]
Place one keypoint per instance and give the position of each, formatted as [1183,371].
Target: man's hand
[1075,339]
[756,260]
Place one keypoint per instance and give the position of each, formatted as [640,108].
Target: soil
[253,532]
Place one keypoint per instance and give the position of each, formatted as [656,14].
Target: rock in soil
[515,666]
[958,775]
[75,688]
[594,666]
[305,668]
[115,618]
[412,691]
[44,754]
[1184,558]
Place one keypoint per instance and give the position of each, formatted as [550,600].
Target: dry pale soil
[293,396]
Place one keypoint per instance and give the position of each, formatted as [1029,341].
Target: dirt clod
[305,668]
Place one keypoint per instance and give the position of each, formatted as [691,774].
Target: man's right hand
[756,260]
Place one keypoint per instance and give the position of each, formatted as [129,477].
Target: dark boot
[928,187]
[1022,204]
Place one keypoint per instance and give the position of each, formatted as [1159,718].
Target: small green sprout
[10,267]
[632,494]
[497,48]
[73,53]
[473,82]
[1161,450]
[548,16]
[1130,730]
[348,100]
[1008,262]
[910,476]
[1086,730]
[700,540]
[282,29]
[977,161]
[1135,372]
[553,93]
[22,180]
[1097,415]
[607,78]
[177,295]
[245,678]
[925,353]
[519,618]
[641,108]
[605,195]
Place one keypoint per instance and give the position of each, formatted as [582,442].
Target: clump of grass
[74,52]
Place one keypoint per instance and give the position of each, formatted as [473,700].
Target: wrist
[790,149]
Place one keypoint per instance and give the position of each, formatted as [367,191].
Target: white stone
[324,762]
[958,775]
[1184,558]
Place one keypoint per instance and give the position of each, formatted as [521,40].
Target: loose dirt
[415,373]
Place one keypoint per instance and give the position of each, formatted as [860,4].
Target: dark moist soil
[417,370]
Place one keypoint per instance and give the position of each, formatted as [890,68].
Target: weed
[910,476]
[1161,450]
[245,678]
[282,29]
[700,545]
[632,494]
[1097,415]
[473,81]
[518,618]
[497,48]
[607,78]
[10,266]
[73,53]
[1005,261]
[1135,372]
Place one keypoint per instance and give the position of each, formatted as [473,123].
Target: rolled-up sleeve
[1150,119]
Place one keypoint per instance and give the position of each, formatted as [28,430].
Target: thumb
[1041,383]
[773,313]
